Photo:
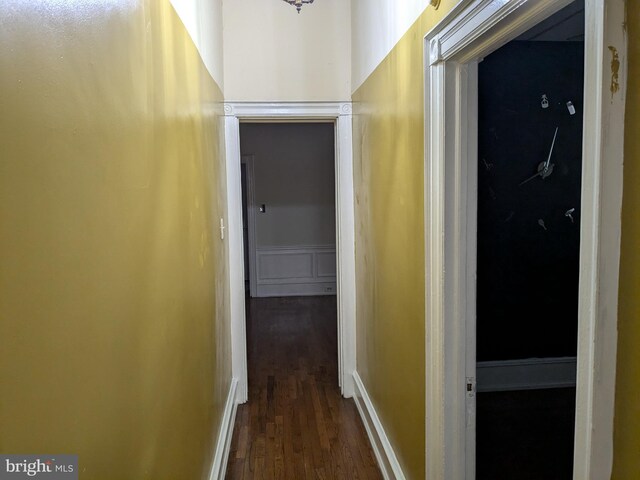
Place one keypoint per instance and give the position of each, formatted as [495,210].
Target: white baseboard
[223,445]
[526,374]
[387,460]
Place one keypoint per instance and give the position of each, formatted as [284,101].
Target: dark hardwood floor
[525,435]
[295,424]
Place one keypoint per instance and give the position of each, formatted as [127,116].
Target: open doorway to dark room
[529,180]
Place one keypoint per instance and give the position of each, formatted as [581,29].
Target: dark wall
[528,274]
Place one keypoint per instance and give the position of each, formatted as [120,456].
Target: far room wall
[293,177]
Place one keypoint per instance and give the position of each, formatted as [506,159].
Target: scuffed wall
[390,269]
[626,458]
[114,335]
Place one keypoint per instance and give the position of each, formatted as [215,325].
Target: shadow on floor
[525,435]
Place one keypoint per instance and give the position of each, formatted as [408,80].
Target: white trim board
[340,114]
[223,444]
[472,30]
[526,374]
[293,111]
[235,251]
[382,448]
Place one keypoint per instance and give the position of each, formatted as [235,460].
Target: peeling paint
[615,68]
[626,446]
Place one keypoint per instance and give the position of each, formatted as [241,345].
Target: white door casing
[340,114]
[472,30]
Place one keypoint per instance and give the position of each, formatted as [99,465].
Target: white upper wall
[273,54]
[377,25]
[203,21]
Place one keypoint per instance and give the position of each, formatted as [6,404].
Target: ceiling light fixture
[298,3]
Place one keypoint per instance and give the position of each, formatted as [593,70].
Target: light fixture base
[298,3]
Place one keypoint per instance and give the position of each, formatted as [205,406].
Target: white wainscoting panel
[297,270]
[279,266]
[326,264]
[526,374]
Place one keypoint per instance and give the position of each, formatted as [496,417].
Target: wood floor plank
[296,425]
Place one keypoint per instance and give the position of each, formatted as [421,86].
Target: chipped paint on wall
[626,438]
[388,139]
[615,70]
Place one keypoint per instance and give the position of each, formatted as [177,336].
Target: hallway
[126,131]
[295,424]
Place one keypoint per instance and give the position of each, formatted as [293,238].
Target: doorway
[471,32]
[530,104]
[289,208]
[339,114]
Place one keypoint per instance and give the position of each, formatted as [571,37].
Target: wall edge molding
[223,444]
[382,448]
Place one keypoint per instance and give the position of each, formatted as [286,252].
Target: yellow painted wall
[114,342]
[627,411]
[388,156]
[389,176]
